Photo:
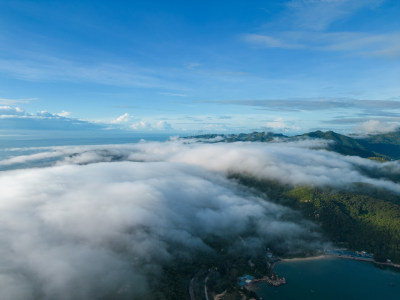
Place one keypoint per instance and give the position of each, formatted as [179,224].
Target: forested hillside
[362,218]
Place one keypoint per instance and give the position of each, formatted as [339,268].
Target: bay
[333,278]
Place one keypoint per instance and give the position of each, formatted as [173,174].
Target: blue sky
[197,67]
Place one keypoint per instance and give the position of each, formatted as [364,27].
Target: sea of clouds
[99,222]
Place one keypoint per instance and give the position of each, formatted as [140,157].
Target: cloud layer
[101,221]
[91,222]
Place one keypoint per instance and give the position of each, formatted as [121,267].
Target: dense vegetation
[363,218]
[358,217]
[218,268]
[362,221]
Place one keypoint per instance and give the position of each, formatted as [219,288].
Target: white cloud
[278,123]
[15,118]
[270,42]
[122,119]
[362,43]
[46,114]
[38,67]
[305,25]
[104,218]
[173,94]
[151,125]
[320,14]
[301,162]
[98,228]
[163,125]
[15,101]
[64,113]
[376,127]
[11,111]
[193,65]
[140,125]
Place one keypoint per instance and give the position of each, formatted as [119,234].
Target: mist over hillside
[103,221]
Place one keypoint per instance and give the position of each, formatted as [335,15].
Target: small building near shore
[245,280]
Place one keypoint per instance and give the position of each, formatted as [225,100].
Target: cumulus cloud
[140,125]
[157,125]
[64,114]
[280,124]
[7,111]
[163,125]
[15,118]
[45,114]
[121,119]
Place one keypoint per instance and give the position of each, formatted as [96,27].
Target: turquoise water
[333,278]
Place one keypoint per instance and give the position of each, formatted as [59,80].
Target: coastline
[325,256]
[304,258]
[314,279]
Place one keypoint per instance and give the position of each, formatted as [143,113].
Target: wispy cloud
[360,120]
[299,104]
[320,14]
[48,68]
[270,42]
[305,25]
[192,65]
[173,94]
[369,44]
[4,101]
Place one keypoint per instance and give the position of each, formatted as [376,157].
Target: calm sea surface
[333,278]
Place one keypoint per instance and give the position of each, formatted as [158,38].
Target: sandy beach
[305,258]
[324,256]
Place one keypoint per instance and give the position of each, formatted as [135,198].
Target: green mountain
[343,144]
[361,218]
[387,144]
[241,137]
[381,146]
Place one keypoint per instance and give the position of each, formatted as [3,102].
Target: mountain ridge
[383,147]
